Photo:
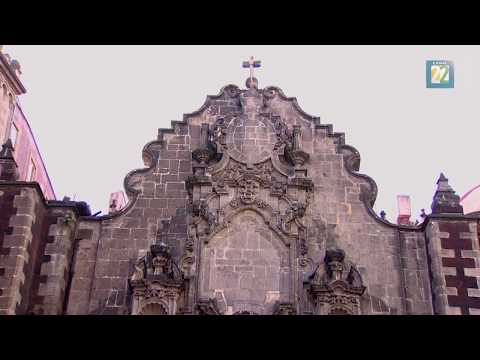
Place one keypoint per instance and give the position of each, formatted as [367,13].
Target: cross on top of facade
[252,63]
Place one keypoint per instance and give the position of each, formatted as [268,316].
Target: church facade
[247,206]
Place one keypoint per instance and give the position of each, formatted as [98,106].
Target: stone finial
[442,183]
[445,201]
[251,83]
[383,215]
[252,64]
[8,166]
[252,100]
[423,215]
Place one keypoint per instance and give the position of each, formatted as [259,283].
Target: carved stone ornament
[295,155]
[156,280]
[235,171]
[336,285]
[284,309]
[200,209]
[246,160]
[207,150]
[219,130]
[244,312]
[278,188]
[303,248]
[445,200]
[284,136]
[188,258]
[248,190]
[207,307]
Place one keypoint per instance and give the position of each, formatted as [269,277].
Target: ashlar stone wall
[392,260]
[246,266]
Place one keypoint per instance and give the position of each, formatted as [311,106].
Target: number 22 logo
[440,73]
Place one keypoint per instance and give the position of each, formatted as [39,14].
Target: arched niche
[248,264]
[340,311]
[154,308]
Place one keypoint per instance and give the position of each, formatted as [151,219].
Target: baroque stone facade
[247,206]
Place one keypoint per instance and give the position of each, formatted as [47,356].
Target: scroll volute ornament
[295,155]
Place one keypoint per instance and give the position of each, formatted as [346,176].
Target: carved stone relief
[336,286]
[247,179]
[157,283]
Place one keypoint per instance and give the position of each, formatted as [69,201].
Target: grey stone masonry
[246,206]
[15,258]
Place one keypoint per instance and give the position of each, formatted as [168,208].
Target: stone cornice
[47,203]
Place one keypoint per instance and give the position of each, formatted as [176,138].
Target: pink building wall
[471,200]
[26,150]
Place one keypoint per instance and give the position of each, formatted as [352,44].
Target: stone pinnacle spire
[8,166]
[445,201]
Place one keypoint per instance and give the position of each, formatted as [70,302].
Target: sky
[93,108]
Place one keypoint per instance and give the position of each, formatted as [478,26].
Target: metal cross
[251,64]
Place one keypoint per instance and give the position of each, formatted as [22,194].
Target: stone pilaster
[83,268]
[455,266]
[15,248]
[55,266]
